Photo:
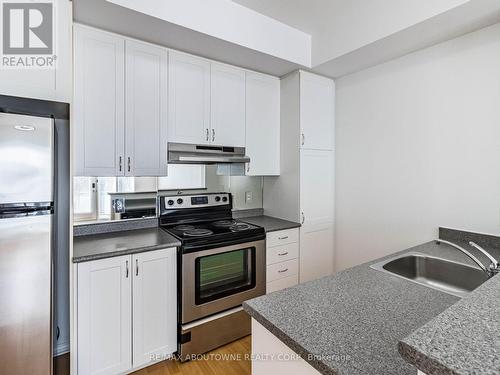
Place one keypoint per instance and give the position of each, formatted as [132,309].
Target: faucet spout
[477,261]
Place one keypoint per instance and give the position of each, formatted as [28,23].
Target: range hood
[182,153]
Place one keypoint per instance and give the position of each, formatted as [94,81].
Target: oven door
[218,279]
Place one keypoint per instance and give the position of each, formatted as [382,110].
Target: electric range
[221,264]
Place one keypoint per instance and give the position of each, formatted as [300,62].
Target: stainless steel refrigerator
[26,243]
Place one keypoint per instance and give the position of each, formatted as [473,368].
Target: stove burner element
[239,226]
[184,227]
[198,232]
[224,223]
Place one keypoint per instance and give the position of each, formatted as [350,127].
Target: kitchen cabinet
[188,99]
[316,255]
[316,187]
[120,110]
[127,311]
[262,124]
[227,105]
[55,83]
[317,101]
[154,305]
[104,316]
[304,192]
[99,119]
[146,109]
[282,259]
[265,343]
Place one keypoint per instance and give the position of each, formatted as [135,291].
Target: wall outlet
[248,196]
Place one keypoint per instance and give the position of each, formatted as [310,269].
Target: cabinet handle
[283,254]
[128,162]
[303,139]
[303,218]
[282,238]
[126,269]
[120,163]
[137,267]
[208,134]
[213,135]
[283,271]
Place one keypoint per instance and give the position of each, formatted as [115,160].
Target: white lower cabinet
[316,251]
[126,314]
[282,253]
[279,358]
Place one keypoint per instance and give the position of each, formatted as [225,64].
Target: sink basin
[447,276]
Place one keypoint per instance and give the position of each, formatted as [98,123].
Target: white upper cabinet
[146,109]
[154,305]
[99,103]
[188,99]
[317,116]
[227,106]
[262,124]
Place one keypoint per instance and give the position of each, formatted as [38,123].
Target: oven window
[224,274]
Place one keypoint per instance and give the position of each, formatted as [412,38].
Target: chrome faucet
[494,267]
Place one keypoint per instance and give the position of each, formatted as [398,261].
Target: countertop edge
[422,361]
[290,343]
[260,220]
[113,254]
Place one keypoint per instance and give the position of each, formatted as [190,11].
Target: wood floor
[231,359]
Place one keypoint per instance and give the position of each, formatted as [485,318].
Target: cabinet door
[316,187]
[99,103]
[317,116]
[146,110]
[316,252]
[155,306]
[227,106]
[104,316]
[188,99]
[262,124]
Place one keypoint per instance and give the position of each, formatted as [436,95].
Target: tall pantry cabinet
[304,191]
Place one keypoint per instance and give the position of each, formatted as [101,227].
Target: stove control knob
[179,201]
[170,202]
[224,199]
[217,199]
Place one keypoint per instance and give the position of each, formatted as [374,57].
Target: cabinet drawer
[282,237]
[281,270]
[284,283]
[282,253]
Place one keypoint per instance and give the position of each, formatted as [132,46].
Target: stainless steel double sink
[444,275]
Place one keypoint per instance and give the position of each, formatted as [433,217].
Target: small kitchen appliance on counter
[221,264]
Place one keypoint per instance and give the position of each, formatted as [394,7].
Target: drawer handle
[283,271]
[282,238]
[283,254]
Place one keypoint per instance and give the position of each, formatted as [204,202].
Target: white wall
[418,146]
[231,22]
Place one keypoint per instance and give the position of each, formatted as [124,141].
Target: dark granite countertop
[106,245]
[352,322]
[464,339]
[270,224]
